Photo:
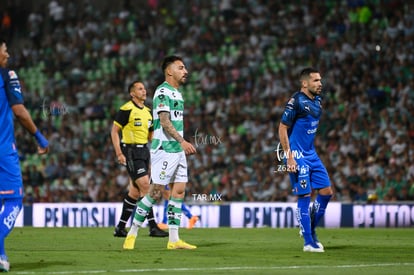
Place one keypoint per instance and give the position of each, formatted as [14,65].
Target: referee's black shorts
[137,159]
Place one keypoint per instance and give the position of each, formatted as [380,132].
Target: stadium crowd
[75,61]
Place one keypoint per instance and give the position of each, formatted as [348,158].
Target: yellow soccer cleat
[192,222]
[180,244]
[129,242]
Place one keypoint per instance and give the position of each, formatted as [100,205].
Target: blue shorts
[311,175]
[11,183]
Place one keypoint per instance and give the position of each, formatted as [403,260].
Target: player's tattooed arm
[169,127]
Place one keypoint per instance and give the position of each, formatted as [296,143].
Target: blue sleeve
[13,88]
[319,99]
[289,114]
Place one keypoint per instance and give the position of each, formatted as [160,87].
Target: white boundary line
[127,271]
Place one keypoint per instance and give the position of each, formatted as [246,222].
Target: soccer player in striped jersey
[168,154]
[297,131]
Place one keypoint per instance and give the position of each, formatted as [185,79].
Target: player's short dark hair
[132,85]
[2,41]
[305,73]
[169,60]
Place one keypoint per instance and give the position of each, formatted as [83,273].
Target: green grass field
[220,251]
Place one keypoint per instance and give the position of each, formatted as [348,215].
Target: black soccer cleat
[120,232]
[156,232]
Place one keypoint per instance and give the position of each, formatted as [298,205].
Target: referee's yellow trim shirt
[135,122]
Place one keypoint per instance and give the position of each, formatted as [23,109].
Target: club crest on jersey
[303,184]
[162,175]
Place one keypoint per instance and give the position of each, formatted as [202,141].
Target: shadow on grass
[214,244]
[37,265]
[340,247]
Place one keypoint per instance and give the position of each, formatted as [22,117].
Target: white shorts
[168,167]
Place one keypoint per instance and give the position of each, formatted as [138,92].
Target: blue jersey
[10,173]
[302,115]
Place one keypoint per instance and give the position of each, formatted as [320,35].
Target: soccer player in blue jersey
[11,184]
[297,131]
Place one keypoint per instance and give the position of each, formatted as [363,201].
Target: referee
[134,120]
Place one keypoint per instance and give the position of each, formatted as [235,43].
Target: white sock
[133,230]
[173,234]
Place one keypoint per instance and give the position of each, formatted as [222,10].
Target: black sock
[150,219]
[127,208]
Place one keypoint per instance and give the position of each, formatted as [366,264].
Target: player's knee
[178,190]
[156,192]
[133,193]
[327,191]
[179,194]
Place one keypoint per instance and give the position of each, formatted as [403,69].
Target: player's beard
[315,92]
[183,80]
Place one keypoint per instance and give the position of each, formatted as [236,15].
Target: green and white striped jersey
[167,99]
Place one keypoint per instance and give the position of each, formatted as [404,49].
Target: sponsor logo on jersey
[315,123]
[12,75]
[137,122]
[11,218]
[303,170]
[178,114]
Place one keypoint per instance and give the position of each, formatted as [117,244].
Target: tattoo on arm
[168,127]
